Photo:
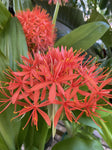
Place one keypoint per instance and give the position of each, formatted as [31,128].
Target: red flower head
[38,29]
[62,78]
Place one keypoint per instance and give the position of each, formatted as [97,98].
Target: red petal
[16,94]
[52,92]
[39,86]
[45,116]
[20,73]
[60,89]
[43,94]
[68,114]
[67,77]
[57,116]
[36,96]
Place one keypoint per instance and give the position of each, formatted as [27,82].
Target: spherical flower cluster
[38,29]
[61,78]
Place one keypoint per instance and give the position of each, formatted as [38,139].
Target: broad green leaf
[9,129]
[22,133]
[4,16]
[84,36]
[22,5]
[37,138]
[107,37]
[70,16]
[3,65]
[84,120]
[79,142]
[13,43]
[3,145]
[96,16]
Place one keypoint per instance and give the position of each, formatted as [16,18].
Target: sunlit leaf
[79,142]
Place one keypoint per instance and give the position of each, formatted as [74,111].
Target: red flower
[57,70]
[66,105]
[34,107]
[61,78]
[30,68]
[16,85]
[38,29]
[88,105]
[8,99]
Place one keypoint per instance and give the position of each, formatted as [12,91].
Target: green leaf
[107,37]
[89,122]
[22,5]
[36,138]
[22,133]
[4,16]
[3,145]
[9,129]
[84,36]
[3,65]
[79,142]
[96,16]
[13,43]
[70,16]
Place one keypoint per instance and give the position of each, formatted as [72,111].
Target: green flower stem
[52,109]
[55,13]
[53,114]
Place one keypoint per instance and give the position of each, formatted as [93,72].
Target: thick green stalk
[108,134]
[55,13]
